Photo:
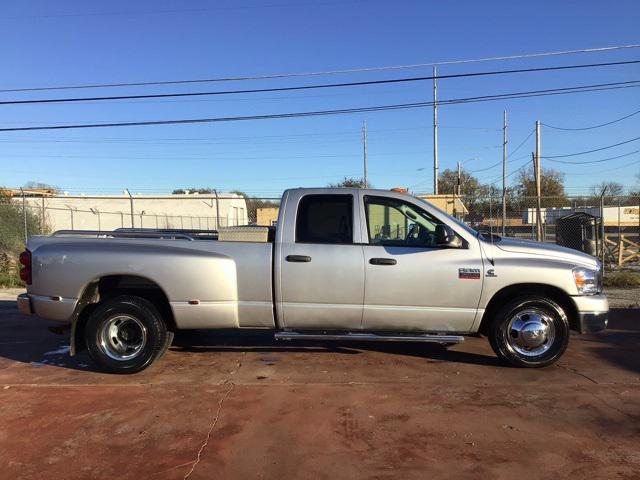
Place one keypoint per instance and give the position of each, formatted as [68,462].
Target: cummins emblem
[469,273]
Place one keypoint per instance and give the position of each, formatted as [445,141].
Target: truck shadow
[27,340]
[202,341]
[619,344]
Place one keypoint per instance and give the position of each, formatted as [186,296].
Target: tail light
[25,271]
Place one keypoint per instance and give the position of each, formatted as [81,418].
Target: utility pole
[504,171]
[458,191]
[364,152]
[435,131]
[538,185]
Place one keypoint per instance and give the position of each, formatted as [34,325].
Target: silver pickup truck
[342,264]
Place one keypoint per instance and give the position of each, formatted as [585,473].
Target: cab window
[393,222]
[325,219]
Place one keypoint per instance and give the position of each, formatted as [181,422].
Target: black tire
[507,342]
[125,334]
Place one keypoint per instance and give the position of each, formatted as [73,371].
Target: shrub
[12,238]
[622,279]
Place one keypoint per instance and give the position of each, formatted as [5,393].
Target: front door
[410,283]
[322,267]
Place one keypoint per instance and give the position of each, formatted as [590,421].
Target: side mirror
[446,237]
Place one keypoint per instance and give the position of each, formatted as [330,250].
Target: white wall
[168,211]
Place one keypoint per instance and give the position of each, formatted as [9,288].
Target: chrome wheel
[531,332]
[122,337]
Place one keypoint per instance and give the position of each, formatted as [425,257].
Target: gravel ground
[623,297]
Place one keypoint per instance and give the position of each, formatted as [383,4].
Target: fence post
[215,192]
[24,216]
[130,205]
[491,211]
[620,247]
[42,221]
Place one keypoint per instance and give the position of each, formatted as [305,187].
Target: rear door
[411,283]
[320,265]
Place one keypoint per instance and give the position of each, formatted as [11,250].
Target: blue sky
[77,42]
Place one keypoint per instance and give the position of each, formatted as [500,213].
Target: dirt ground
[229,406]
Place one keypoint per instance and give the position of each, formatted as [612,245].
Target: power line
[311,87]
[519,169]
[521,144]
[619,167]
[184,10]
[569,162]
[401,106]
[592,151]
[211,157]
[485,169]
[594,126]
[328,72]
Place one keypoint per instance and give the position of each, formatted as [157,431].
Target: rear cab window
[325,219]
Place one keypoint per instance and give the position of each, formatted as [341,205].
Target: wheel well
[114,285]
[512,291]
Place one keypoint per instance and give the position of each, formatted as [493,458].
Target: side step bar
[369,337]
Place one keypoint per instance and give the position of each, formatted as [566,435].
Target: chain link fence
[606,227]
[33,213]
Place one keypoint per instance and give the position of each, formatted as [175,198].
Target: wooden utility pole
[459,184]
[364,152]
[435,131]
[504,171]
[538,185]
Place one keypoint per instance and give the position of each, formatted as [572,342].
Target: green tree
[31,185]
[551,188]
[611,189]
[12,223]
[348,182]
[470,186]
[193,191]
[254,203]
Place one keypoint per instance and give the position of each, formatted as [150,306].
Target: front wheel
[125,334]
[530,331]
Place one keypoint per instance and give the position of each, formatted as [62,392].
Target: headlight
[587,281]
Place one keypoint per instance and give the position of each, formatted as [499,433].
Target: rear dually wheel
[125,334]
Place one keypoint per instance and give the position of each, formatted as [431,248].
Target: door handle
[298,258]
[383,261]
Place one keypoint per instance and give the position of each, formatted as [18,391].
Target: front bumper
[24,304]
[592,322]
[593,312]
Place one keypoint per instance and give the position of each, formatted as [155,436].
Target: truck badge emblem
[469,273]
